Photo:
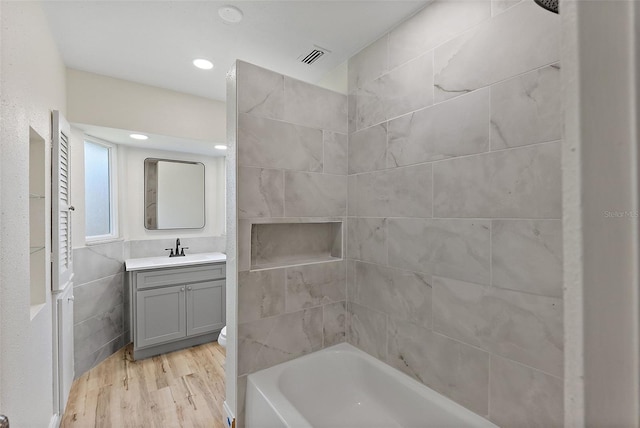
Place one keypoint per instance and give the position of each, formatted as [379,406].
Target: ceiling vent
[313,55]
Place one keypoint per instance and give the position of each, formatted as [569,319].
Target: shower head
[551,5]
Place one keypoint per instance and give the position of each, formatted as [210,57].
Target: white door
[61,263]
[62,260]
[66,371]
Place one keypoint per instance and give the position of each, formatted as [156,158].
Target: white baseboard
[55,421]
[229,418]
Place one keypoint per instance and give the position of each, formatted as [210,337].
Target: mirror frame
[151,194]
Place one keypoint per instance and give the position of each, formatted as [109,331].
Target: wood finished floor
[181,389]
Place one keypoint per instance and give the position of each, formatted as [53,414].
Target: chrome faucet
[179,252]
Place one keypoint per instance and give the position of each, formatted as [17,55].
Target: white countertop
[166,261]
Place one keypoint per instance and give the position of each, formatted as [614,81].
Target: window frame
[113,192]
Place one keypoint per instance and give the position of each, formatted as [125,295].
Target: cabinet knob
[182,289]
[189,288]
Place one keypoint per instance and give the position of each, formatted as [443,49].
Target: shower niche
[282,244]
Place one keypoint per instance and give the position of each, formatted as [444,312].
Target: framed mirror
[173,194]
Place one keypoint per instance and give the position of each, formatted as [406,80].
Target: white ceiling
[154,42]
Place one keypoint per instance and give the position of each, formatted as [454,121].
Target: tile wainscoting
[100,324]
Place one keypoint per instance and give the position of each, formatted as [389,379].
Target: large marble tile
[351,279]
[523,327]
[241,393]
[403,90]
[98,297]
[367,330]
[309,105]
[367,239]
[368,149]
[269,143]
[457,127]
[245,245]
[435,24]
[517,183]
[527,109]
[314,195]
[92,334]
[335,152]
[401,294]
[270,341]
[334,316]
[524,398]
[314,285]
[459,371]
[518,40]
[97,261]
[368,64]
[260,294]
[83,365]
[352,195]
[260,192]
[260,91]
[453,248]
[352,111]
[526,255]
[156,247]
[398,192]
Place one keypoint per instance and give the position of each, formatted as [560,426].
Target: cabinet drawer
[174,276]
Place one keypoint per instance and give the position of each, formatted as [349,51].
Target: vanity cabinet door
[205,307]
[160,315]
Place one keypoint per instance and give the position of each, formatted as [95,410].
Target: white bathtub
[342,386]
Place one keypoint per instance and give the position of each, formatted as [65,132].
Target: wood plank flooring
[181,389]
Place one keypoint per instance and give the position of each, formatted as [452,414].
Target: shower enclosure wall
[430,236]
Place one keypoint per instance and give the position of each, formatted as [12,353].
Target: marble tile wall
[99,290]
[101,301]
[454,235]
[292,146]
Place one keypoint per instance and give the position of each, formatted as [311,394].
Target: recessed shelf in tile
[275,245]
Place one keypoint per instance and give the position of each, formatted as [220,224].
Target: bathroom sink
[166,261]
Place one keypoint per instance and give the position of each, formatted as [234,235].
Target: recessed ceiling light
[138,136]
[220,147]
[230,14]
[204,64]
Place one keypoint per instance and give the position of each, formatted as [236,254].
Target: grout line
[454,158]
[491,253]
[284,193]
[457,218]
[489,385]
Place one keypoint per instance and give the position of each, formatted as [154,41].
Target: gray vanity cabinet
[178,307]
[204,312]
[160,315]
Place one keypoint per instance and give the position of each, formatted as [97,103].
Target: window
[100,190]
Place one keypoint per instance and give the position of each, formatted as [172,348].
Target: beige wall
[33,84]
[132,190]
[99,100]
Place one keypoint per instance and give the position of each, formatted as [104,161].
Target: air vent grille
[313,55]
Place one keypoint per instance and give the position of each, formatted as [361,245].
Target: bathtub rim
[266,383]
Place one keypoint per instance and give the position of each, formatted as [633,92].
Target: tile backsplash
[454,270]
